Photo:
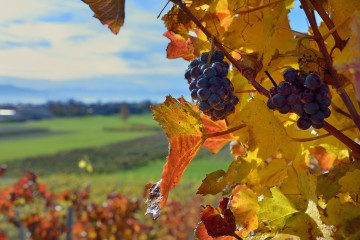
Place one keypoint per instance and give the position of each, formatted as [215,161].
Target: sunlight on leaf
[179,46]
[109,12]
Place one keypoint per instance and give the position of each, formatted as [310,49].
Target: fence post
[69,223]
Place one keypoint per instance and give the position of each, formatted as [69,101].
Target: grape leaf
[109,12]
[263,130]
[307,186]
[349,60]
[201,234]
[325,158]
[179,46]
[273,173]
[303,226]
[345,217]
[351,182]
[219,181]
[275,210]
[184,131]
[244,205]
[215,144]
[220,221]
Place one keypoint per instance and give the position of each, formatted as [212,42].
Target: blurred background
[75,103]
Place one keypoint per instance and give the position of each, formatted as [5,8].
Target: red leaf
[201,234]
[219,221]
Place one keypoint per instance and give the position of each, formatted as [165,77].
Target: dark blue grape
[312,81]
[273,91]
[204,66]
[301,79]
[284,88]
[270,104]
[209,72]
[318,125]
[326,112]
[290,75]
[214,100]
[204,57]
[279,100]
[219,106]
[303,123]
[202,83]
[321,97]
[285,109]
[187,75]
[220,114]
[226,82]
[298,108]
[195,73]
[229,108]
[307,96]
[292,99]
[225,64]
[324,88]
[192,85]
[194,63]
[234,100]
[219,68]
[194,95]
[204,106]
[296,88]
[217,56]
[215,81]
[203,94]
[317,117]
[311,108]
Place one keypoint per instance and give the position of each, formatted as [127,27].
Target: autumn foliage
[284,183]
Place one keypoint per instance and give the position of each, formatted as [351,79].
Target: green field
[64,134]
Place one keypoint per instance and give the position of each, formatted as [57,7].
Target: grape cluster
[304,95]
[211,90]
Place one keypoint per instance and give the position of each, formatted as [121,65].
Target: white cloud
[81,47]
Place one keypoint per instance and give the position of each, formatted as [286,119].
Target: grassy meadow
[124,155]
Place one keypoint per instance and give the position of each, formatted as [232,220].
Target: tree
[285,182]
[124,111]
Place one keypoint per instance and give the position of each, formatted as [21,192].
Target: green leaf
[219,181]
[351,182]
[276,210]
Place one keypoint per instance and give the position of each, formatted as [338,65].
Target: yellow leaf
[244,205]
[219,181]
[183,128]
[302,226]
[82,164]
[273,173]
[349,60]
[276,210]
[263,131]
[109,12]
[351,182]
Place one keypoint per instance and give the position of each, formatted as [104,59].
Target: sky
[58,44]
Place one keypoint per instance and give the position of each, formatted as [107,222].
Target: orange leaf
[184,131]
[215,144]
[220,221]
[179,46]
[325,158]
[109,12]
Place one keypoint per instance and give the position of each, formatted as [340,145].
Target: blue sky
[58,43]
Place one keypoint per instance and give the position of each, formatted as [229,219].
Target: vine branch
[230,130]
[321,136]
[322,47]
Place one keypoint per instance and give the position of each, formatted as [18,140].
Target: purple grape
[326,112]
[217,56]
[270,104]
[296,88]
[321,97]
[202,83]
[312,81]
[219,68]
[192,85]
[222,92]
[194,63]
[298,108]
[301,79]
[285,109]
[273,91]
[219,106]
[290,75]
[214,100]
[226,82]
[215,81]
[209,72]
[234,100]
[204,57]
[307,96]
[284,88]
[318,125]
[187,76]
[279,100]
[194,95]
[226,65]
[303,123]
[203,94]
[204,106]
[311,108]
[204,66]
[292,99]
[317,117]
[219,114]
[230,108]
[324,88]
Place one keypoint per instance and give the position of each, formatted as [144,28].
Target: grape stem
[219,46]
[322,47]
[237,236]
[271,79]
[230,130]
